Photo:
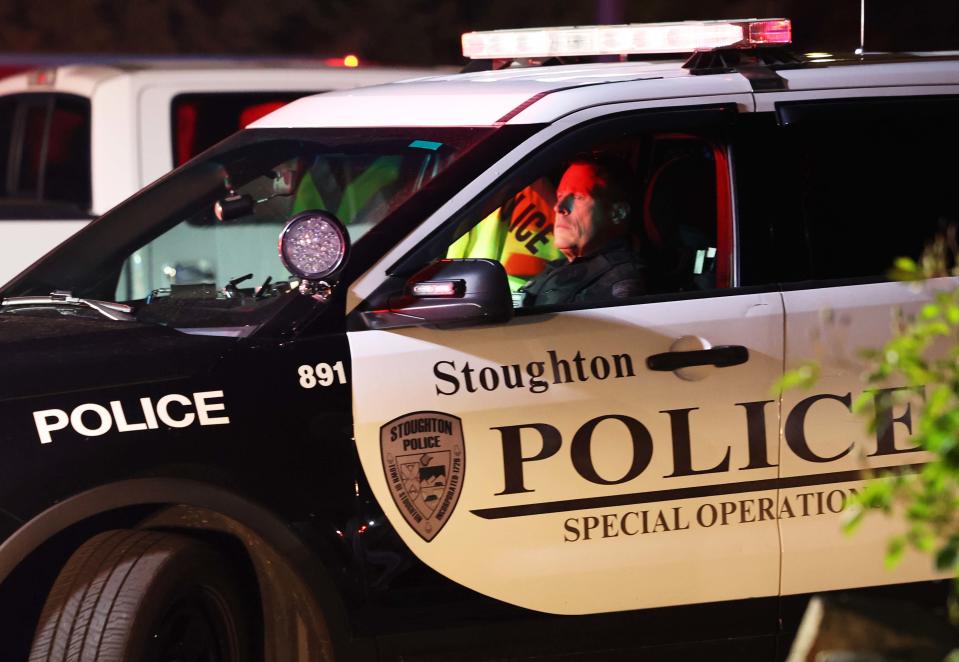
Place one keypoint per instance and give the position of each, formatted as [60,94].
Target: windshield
[165,253]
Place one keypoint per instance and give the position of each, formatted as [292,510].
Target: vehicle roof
[281,73]
[543,94]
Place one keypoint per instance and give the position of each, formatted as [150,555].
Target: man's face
[582,217]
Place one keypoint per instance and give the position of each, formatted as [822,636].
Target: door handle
[721,356]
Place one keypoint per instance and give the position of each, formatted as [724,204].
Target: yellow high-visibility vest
[356,195]
[519,234]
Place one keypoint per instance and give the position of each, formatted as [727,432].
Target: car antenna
[862,28]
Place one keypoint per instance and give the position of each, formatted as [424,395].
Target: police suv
[355,447]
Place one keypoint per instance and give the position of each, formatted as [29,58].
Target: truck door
[858,184]
[594,456]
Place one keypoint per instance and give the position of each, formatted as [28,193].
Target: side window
[641,214]
[46,155]
[201,120]
[839,191]
[66,177]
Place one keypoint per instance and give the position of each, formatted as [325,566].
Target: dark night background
[424,32]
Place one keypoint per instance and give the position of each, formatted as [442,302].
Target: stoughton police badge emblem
[424,459]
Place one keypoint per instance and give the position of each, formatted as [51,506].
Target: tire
[145,596]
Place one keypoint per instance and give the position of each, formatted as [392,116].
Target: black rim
[197,628]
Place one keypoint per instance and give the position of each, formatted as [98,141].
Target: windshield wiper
[231,287]
[115,311]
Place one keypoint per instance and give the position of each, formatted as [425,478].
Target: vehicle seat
[679,223]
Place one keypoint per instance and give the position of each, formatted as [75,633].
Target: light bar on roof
[637,38]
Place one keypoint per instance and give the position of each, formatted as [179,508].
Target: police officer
[591,229]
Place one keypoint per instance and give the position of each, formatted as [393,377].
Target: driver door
[573,460]
[576,479]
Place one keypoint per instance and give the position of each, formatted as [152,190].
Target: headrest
[680,197]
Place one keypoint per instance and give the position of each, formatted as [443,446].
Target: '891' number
[323,374]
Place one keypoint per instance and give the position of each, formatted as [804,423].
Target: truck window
[202,120]
[852,188]
[674,189]
[45,156]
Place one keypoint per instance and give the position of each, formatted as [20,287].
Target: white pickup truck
[77,139]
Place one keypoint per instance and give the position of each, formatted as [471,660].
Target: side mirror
[448,293]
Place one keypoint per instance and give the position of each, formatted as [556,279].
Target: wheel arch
[304,613]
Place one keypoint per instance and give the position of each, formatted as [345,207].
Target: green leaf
[929,311]
[946,557]
[905,264]
[894,552]
[952,314]
[863,403]
[854,517]
[904,268]
[802,377]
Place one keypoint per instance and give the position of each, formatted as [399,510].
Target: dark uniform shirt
[613,272]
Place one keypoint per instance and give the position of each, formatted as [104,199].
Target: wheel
[145,596]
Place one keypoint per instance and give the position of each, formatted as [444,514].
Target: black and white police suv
[369,446]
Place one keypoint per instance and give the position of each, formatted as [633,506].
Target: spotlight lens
[313,245]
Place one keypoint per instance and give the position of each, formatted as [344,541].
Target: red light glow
[770,32]
[437,289]
[349,61]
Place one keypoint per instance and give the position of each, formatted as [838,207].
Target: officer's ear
[619,212]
